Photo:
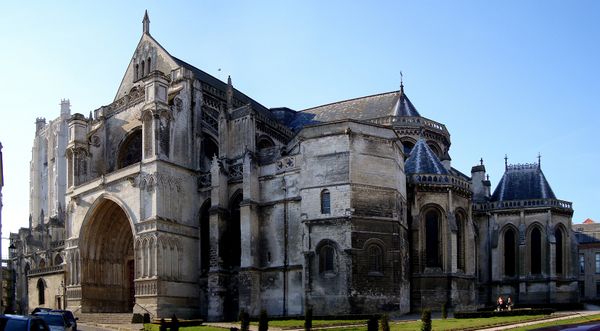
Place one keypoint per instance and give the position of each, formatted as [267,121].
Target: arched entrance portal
[106,244]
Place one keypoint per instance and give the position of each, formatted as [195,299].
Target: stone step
[105,318]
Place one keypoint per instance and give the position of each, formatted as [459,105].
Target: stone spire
[146,22]
[229,93]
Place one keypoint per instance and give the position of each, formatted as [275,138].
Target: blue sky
[506,77]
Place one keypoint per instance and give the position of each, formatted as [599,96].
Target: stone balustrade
[46,270]
[435,179]
[413,121]
[530,203]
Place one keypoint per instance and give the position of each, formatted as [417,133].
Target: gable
[147,51]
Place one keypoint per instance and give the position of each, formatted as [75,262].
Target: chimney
[480,191]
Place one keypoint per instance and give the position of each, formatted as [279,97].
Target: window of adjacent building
[559,250]
[375,259]
[598,263]
[327,259]
[509,252]
[432,239]
[536,251]
[581,263]
[41,287]
[597,289]
[581,289]
[325,202]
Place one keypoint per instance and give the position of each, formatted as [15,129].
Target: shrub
[384,323]
[426,320]
[244,320]
[163,325]
[308,319]
[263,321]
[373,323]
[444,310]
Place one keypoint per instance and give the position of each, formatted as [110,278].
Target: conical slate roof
[422,160]
[523,182]
[404,107]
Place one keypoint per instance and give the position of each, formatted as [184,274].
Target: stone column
[218,216]
[249,290]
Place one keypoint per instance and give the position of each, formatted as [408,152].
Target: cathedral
[185,196]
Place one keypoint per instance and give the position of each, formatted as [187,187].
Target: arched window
[327,259]
[58,260]
[130,151]
[148,66]
[136,74]
[434,148]
[375,259]
[41,287]
[536,251]
[42,264]
[142,73]
[558,234]
[460,241]
[205,238]
[432,239]
[509,252]
[209,150]
[264,142]
[325,202]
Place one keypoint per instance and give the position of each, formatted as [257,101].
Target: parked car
[22,323]
[56,321]
[38,309]
[69,317]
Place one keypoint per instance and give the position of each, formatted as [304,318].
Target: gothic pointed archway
[106,244]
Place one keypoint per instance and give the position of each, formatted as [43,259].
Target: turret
[480,184]
[40,123]
[65,107]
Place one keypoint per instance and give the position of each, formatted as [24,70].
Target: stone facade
[185,196]
[588,260]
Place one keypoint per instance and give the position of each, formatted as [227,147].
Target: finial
[487,177]
[539,160]
[229,93]
[505,162]
[481,161]
[401,82]
[146,23]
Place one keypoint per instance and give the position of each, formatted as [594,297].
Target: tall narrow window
[325,202]
[581,263]
[143,69]
[559,250]
[375,259]
[536,251]
[460,242]
[432,239]
[41,287]
[326,259]
[509,252]
[148,67]
[598,263]
[136,74]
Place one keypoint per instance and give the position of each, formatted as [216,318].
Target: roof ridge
[352,99]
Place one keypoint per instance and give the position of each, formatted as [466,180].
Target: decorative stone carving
[286,163]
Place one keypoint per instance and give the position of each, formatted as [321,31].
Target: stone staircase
[104,318]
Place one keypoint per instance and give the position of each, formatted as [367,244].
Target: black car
[22,323]
[69,317]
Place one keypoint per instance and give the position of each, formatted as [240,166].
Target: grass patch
[156,327]
[299,324]
[583,319]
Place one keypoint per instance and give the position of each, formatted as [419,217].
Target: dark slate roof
[394,103]
[523,182]
[422,160]
[217,83]
[404,107]
[587,238]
